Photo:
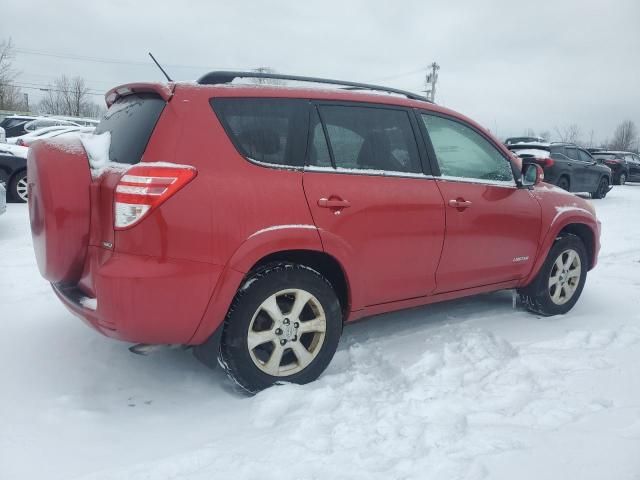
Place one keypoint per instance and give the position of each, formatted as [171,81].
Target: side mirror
[532,174]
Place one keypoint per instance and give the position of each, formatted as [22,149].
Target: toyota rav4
[253,221]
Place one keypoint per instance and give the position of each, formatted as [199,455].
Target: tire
[545,298]
[563,183]
[622,179]
[603,189]
[299,357]
[18,187]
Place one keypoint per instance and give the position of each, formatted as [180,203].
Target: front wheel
[283,326]
[602,190]
[558,285]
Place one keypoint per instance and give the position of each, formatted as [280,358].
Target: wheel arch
[585,228]
[284,243]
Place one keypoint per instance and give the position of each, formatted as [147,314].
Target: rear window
[131,120]
[267,130]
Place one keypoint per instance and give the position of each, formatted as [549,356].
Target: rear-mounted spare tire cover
[59,180]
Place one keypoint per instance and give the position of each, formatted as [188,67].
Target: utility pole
[431,80]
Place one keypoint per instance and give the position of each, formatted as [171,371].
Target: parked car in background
[3,198]
[50,132]
[279,214]
[13,171]
[624,165]
[14,124]
[44,122]
[568,166]
[514,140]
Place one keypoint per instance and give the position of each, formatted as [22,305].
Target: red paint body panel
[171,278]
[494,240]
[389,239]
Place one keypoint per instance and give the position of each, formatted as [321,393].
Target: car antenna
[160,67]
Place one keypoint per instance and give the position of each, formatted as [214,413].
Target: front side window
[364,138]
[461,152]
[584,156]
[572,152]
[268,130]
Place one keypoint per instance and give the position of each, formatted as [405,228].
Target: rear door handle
[460,204]
[333,203]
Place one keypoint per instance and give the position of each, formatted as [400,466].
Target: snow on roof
[533,152]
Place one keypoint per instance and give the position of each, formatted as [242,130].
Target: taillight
[145,187]
[545,162]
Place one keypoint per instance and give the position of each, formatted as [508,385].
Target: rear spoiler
[165,90]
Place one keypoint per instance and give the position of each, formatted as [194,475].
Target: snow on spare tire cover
[59,207]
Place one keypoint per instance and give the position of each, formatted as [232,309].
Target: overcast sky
[510,65]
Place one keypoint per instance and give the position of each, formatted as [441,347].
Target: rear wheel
[564,183]
[558,285]
[18,187]
[283,326]
[622,179]
[603,189]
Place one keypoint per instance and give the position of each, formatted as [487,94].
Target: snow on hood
[16,150]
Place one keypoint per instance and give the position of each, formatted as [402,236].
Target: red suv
[253,221]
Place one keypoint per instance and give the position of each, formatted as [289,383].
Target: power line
[47,89]
[87,58]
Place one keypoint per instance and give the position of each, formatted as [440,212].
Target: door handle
[333,203]
[461,204]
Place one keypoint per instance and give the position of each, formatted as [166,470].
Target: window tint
[584,156]
[555,149]
[371,138]
[266,129]
[130,120]
[319,151]
[462,152]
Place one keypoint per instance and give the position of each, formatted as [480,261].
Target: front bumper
[142,299]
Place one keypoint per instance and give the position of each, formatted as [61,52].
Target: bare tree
[10,95]
[266,81]
[570,134]
[68,96]
[546,134]
[625,137]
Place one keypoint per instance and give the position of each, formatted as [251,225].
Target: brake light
[545,162]
[145,187]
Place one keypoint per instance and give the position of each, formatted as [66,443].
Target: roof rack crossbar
[221,77]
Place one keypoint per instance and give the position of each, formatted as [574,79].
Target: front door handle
[333,203]
[460,204]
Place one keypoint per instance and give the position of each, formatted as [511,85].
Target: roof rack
[221,77]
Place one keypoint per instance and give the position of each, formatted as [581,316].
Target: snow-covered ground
[464,390]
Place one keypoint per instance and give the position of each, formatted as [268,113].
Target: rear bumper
[143,299]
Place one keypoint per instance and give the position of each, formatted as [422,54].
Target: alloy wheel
[565,277]
[286,332]
[21,188]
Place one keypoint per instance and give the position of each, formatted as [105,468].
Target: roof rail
[220,77]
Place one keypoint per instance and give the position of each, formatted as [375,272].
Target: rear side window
[269,130]
[365,138]
[131,120]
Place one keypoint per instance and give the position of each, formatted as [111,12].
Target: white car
[3,198]
[44,122]
[49,132]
